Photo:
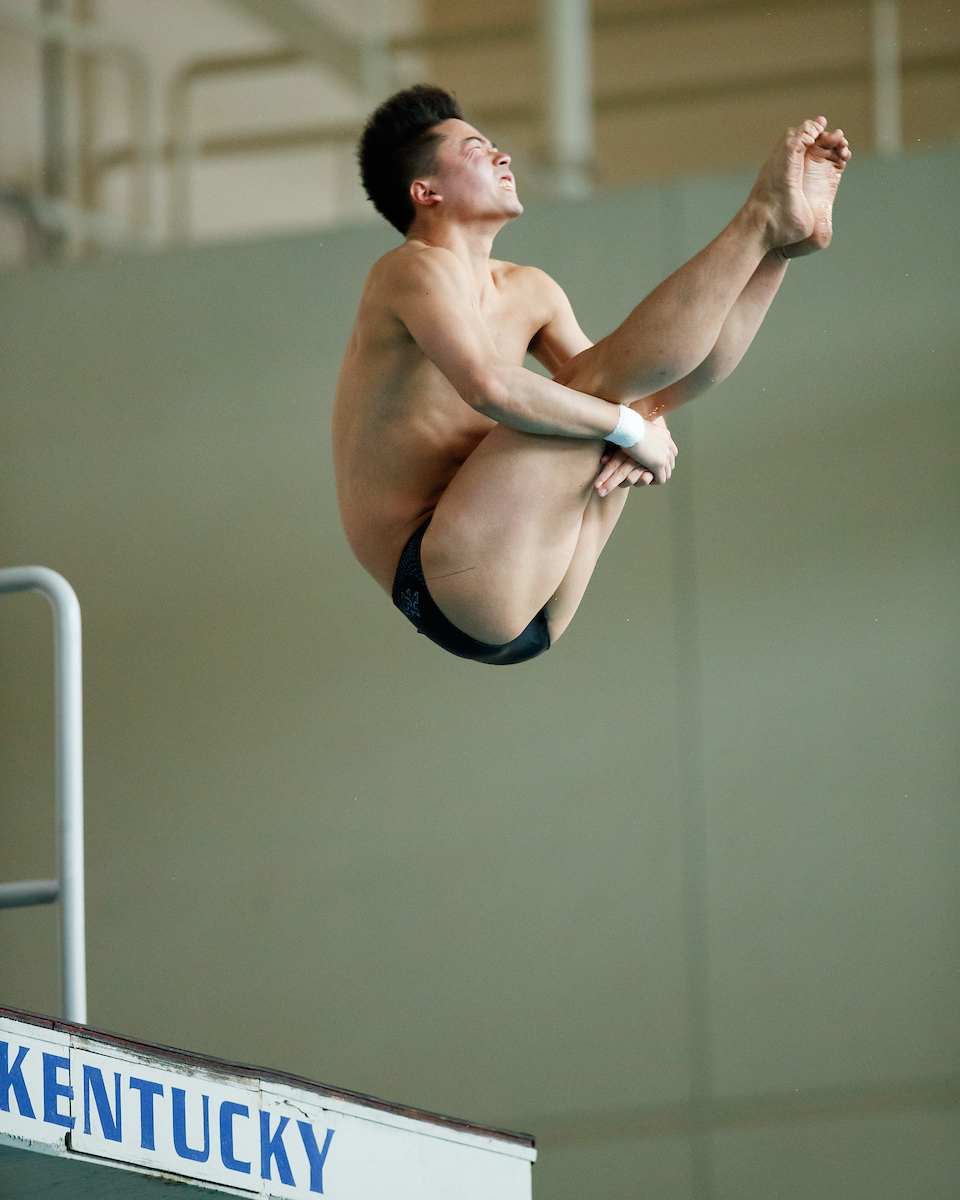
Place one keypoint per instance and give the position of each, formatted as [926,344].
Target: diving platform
[86,1115]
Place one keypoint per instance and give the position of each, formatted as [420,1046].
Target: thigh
[506,530]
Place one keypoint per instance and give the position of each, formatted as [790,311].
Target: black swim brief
[410,595]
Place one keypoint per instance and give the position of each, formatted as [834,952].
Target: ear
[421,192]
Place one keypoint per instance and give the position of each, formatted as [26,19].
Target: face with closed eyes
[471,178]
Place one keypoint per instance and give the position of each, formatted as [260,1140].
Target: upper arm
[430,293]
[560,338]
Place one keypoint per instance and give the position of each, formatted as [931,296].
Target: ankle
[756,221]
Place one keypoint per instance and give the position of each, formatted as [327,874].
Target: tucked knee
[583,373]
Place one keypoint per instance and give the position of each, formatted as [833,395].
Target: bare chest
[512,321]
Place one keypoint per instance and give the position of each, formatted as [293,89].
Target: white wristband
[630,428]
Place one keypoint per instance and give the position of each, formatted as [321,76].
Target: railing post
[68,674]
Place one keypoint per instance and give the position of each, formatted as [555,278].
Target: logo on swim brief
[410,603]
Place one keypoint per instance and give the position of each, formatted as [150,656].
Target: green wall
[680,897]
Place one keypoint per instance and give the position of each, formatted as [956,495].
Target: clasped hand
[650,461]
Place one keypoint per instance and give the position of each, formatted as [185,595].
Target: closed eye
[480,141]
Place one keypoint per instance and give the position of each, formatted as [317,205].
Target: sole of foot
[823,165]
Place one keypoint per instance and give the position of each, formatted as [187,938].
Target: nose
[503,160]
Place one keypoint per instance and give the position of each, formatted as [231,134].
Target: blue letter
[273,1147]
[52,1090]
[317,1157]
[92,1078]
[12,1077]
[147,1092]
[180,1127]
[229,1110]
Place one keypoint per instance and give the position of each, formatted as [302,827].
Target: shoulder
[530,279]
[534,285]
[414,265]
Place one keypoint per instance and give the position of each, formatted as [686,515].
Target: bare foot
[805,160]
[823,166]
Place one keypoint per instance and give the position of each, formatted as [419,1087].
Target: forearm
[735,338]
[527,401]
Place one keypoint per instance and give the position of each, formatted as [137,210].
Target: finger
[608,483]
[645,479]
[609,464]
[623,477]
[602,482]
[623,471]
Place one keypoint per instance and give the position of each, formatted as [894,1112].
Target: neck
[471,241]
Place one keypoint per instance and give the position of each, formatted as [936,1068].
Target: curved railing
[68,888]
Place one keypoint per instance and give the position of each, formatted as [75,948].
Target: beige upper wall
[680,89]
[708,842]
[689,88]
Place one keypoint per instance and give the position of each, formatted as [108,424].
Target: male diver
[477,493]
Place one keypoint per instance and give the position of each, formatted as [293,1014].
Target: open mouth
[507,184]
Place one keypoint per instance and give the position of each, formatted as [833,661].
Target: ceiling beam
[307,30]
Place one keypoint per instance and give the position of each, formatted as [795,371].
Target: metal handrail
[69,757]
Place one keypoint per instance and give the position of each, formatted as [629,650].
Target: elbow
[486,393]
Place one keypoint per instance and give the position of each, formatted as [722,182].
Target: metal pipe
[53,27]
[184,146]
[569,92]
[68,676]
[141,135]
[29,892]
[88,80]
[887,103]
[53,73]
[53,103]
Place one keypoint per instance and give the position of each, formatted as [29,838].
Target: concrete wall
[681,896]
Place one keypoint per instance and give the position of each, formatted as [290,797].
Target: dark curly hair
[398,144]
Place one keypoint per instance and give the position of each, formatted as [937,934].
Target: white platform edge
[267,1083]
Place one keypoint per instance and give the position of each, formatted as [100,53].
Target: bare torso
[400,429]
